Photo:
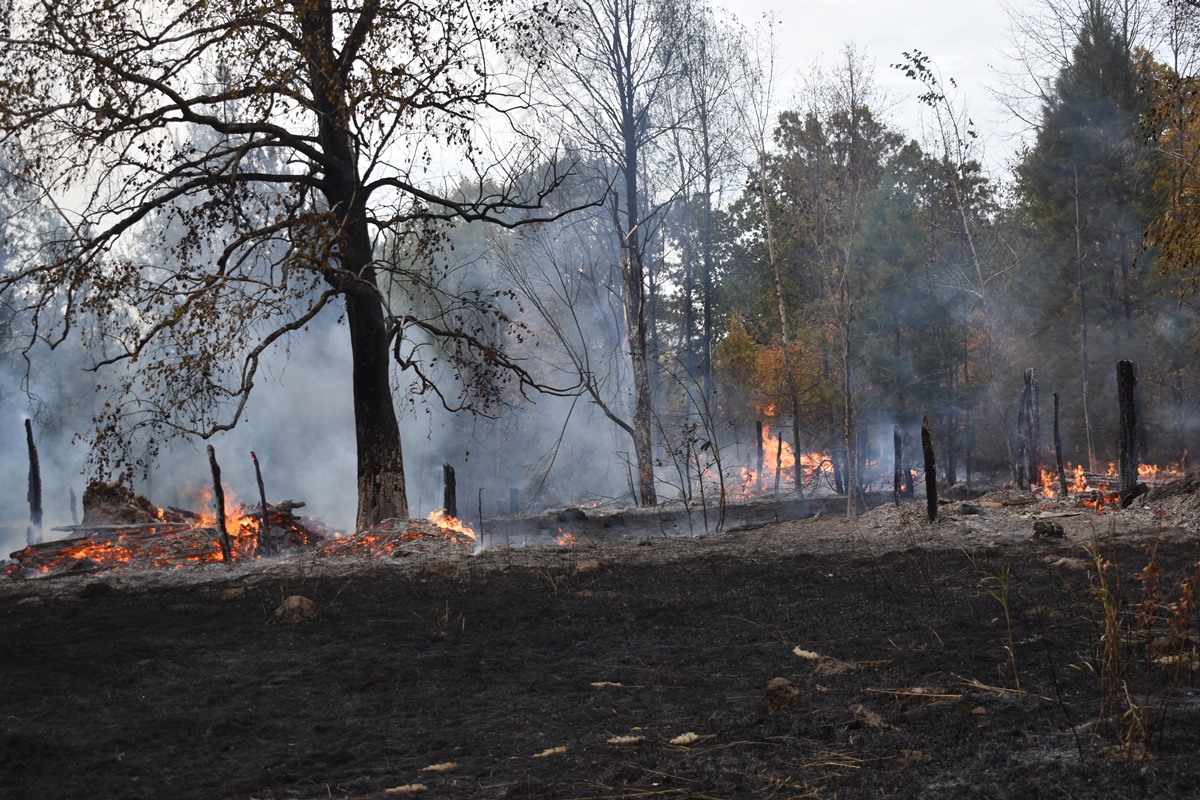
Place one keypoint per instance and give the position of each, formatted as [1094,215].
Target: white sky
[968,40]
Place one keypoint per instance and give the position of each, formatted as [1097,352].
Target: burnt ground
[644,668]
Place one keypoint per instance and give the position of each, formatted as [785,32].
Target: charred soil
[877,657]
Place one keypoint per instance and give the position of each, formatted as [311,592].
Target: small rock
[296,609]
[782,694]
[968,509]
[1045,528]
[571,515]
[234,594]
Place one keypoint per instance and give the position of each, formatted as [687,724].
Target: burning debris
[121,530]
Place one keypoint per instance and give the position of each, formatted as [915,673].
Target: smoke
[298,422]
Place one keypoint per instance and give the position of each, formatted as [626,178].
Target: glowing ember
[564,538]
[396,536]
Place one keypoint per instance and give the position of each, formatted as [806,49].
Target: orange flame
[446,522]
[564,538]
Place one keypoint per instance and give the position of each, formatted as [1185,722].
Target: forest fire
[170,538]
[1098,490]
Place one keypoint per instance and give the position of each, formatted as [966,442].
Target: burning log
[931,496]
[33,534]
[159,544]
[177,539]
[114,504]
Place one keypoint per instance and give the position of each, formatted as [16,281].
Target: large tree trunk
[381,492]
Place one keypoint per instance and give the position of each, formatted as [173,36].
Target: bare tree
[225,173]
[611,79]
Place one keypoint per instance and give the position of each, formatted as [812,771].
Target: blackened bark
[1128,456]
[381,490]
[760,452]
[931,494]
[1035,425]
[219,505]
[265,543]
[34,534]
[898,445]
[449,491]
[1058,454]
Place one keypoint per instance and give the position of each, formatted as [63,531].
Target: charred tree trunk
[897,478]
[381,491]
[1128,456]
[449,491]
[219,505]
[779,460]
[1034,419]
[760,453]
[34,534]
[931,493]
[1058,454]
[265,543]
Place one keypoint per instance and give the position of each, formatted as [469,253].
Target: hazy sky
[968,40]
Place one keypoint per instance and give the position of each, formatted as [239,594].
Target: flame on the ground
[564,538]
[446,522]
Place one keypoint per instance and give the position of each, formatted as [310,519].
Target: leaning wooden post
[1058,456]
[898,443]
[33,535]
[931,496]
[264,532]
[449,492]
[1127,457]
[219,503]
